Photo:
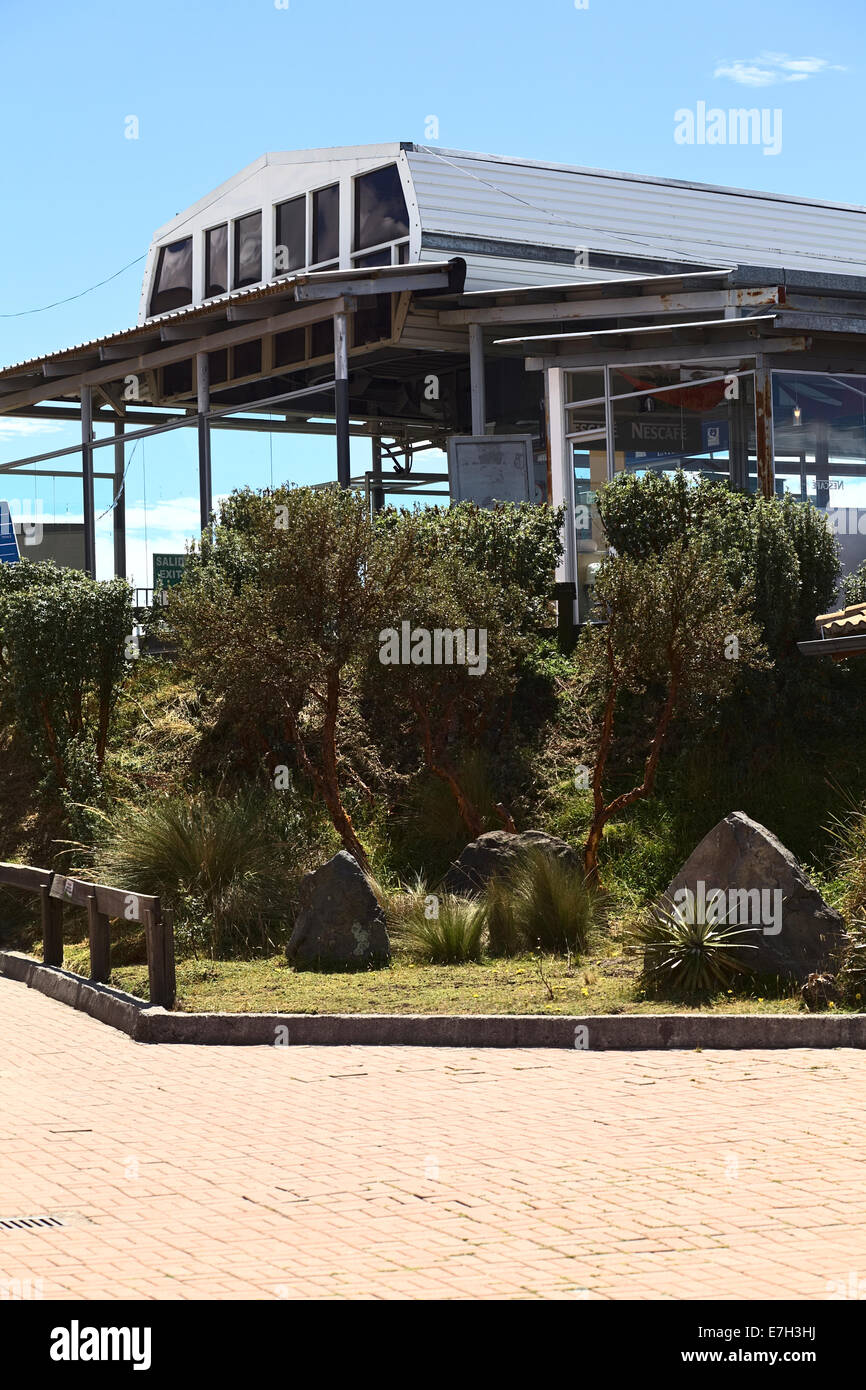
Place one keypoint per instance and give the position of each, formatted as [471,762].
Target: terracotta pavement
[176,1172]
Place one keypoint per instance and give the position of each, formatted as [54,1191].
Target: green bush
[854,585]
[541,902]
[779,547]
[63,657]
[227,866]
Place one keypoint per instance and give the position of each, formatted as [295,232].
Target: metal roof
[216,308]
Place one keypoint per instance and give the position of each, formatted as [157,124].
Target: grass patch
[598,985]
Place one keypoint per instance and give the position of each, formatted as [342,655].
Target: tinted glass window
[291,232]
[382,257]
[248,250]
[172,286]
[380,208]
[216,261]
[326,223]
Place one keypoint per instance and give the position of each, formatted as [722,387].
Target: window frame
[235,221]
[205,243]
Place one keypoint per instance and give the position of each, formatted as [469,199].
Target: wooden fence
[101,904]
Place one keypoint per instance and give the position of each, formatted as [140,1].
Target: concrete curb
[593,1033]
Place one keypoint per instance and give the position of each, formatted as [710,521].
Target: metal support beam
[202,376]
[562,478]
[610,443]
[764,428]
[377,492]
[87,480]
[341,391]
[476,378]
[119,511]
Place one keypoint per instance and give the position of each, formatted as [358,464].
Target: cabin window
[248,250]
[216,261]
[382,257]
[172,285]
[290,250]
[326,224]
[380,208]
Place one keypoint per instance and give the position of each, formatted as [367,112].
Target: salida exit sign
[167,570]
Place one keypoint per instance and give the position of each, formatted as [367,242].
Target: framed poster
[491,468]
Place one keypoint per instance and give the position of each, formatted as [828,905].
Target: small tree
[674,628]
[63,642]
[277,614]
[451,609]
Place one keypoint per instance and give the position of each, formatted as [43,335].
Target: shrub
[223,864]
[780,548]
[63,640]
[688,958]
[541,902]
[451,937]
[854,585]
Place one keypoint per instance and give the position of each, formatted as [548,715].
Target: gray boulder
[340,925]
[495,852]
[762,886]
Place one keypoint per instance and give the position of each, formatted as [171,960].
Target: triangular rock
[764,887]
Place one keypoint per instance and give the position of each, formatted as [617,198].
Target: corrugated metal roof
[214,307]
[462,193]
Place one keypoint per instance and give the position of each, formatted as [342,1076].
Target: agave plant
[690,957]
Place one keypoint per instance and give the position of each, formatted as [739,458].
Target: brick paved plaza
[190,1172]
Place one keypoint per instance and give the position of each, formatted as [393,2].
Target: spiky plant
[542,902]
[451,935]
[689,958]
[221,862]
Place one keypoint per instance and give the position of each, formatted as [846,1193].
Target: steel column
[87,480]
[765,449]
[377,491]
[341,391]
[202,377]
[477,388]
[119,502]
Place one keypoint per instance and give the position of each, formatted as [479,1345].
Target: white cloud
[770,68]
[15,427]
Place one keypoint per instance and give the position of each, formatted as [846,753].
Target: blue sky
[215,83]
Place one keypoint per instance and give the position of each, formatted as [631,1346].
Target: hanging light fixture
[798,414]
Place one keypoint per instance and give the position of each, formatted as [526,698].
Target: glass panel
[173,280]
[248,250]
[705,427]
[326,223]
[403,253]
[819,434]
[291,231]
[290,346]
[322,339]
[380,208]
[247,359]
[382,257]
[216,261]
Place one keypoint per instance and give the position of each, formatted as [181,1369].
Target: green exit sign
[167,570]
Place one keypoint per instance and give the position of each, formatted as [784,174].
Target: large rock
[496,852]
[764,888]
[340,925]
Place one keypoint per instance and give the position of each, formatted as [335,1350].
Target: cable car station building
[546,326]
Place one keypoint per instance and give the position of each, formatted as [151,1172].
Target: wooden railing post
[160,956]
[99,931]
[52,927]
